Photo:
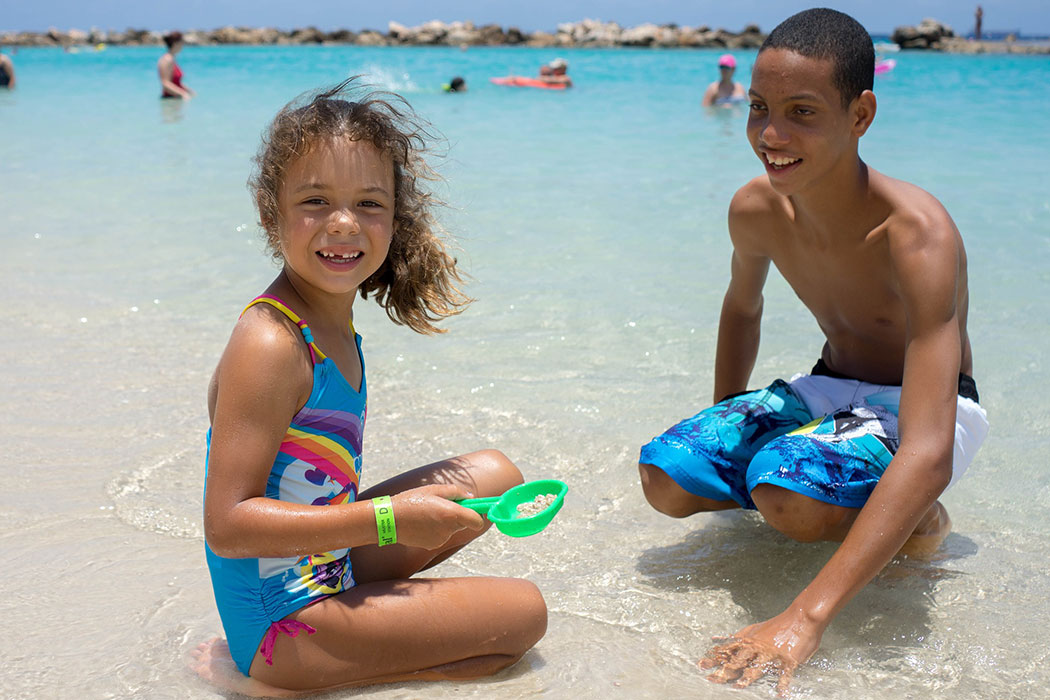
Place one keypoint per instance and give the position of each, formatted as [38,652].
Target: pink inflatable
[884,66]
[521,81]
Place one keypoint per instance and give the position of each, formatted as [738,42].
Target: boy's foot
[212,662]
[929,533]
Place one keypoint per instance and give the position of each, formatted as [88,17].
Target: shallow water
[593,225]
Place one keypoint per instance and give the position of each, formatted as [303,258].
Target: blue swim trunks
[826,437]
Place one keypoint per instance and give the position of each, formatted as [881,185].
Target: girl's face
[337,215]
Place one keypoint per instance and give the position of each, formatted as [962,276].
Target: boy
[859,450]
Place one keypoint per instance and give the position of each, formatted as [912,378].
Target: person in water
[314,576]
[858,450]
[7,72]
[556,72]
[724,91]
[457,84]
[169,71]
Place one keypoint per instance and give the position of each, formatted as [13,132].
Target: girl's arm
[264,377]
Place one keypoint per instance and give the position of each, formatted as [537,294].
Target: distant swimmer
[169,71]
[457,84]
[7,72]
[724,91]
[553,76]
[556,73]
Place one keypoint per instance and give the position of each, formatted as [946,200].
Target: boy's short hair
[828,34]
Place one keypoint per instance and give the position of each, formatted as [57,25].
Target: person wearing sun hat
[724,91]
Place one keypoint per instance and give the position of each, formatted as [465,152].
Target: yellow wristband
[385,520]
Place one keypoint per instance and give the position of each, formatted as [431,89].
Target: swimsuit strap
[315,352]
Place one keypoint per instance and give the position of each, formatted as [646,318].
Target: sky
[1030,17]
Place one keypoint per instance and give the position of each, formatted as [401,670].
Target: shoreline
[928,35]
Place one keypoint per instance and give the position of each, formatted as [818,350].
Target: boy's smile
[797,125]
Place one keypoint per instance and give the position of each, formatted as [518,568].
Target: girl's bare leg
[409,630]
[390,629]
[484,473]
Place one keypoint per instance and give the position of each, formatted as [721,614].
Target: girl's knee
[498,467]
[532,611]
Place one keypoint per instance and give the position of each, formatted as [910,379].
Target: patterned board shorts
[829,438]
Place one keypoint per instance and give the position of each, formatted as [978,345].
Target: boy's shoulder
[913,214]
[905,207]
[756,209]
[757,198]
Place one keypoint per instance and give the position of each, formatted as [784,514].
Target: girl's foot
[212,662]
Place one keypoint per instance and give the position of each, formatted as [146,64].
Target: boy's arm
[739,325]
[926,265]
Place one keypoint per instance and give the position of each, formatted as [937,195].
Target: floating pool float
[884,66]
[522,81]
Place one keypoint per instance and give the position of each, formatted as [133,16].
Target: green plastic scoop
[502,511]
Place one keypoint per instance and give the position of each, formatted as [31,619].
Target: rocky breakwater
[933,35]
[586,33]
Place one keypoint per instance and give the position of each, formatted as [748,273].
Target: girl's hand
[426,516]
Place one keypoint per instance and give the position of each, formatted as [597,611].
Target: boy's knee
[799,517]
[664,494]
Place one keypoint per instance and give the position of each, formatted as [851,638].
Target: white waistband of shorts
[824,395]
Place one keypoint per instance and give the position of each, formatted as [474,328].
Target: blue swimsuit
[318,463]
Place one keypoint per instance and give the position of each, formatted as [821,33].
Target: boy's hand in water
[774,647]
[427,517]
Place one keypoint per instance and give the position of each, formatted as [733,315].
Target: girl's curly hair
[418,283]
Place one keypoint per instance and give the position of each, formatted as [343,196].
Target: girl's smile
[337,260]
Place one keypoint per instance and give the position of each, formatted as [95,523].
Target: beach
[592,223]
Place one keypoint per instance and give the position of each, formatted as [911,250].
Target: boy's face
[797,125]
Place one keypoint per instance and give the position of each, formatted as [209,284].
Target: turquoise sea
[592,223]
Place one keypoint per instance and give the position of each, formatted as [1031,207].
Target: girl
[312,589]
